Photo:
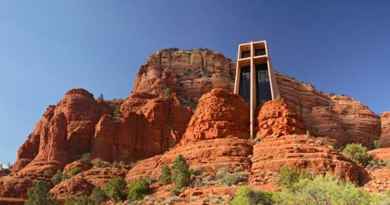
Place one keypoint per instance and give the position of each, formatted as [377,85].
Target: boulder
[275,119]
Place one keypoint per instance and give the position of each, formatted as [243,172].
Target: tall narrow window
[263,87]
[259,51]
[244,90]
[245,54]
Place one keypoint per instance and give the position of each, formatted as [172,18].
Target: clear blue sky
[48,47]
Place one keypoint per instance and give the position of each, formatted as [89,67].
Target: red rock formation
[340,118]
[84,182]
[148,125]
[75,186]
[188,73]
[148,122]
[282,145]
[220,114]
[275,120]
[303,152]
[155,116]
[14,186]
[380,180]
[381,153]
[206,145]
[64,132]
[79,164]
[384,140]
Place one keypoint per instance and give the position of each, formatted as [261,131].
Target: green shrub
[246,196]
[167,92]
[166,176]
[357,153]
[181,174]
[98,196]
[85,158]
[376,144]
[187,72]
[289,176]
[138,189]
[323,190]
[38,194]
[57,178]
[74,171]
[227,178]
[81,200]
[115,189]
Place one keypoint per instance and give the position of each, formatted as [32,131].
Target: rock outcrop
[64,132]
[220,114]
[381,154]
[84,182]
[207,144]
[150,121]
[190,73]
[283,144]
[148,125]
[340,118]
[275,119]
[380,180]
[384,140]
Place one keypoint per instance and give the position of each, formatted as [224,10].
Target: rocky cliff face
[156,123]
[340,118]
[189,73]
[384,140]
[284,144]
[207,143]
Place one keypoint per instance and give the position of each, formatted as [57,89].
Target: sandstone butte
[182,103]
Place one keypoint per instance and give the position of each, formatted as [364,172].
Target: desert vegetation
[299,187]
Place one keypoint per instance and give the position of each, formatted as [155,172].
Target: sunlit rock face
[281,142]
[339,118]
[384,140]
[189,73]
[217,136]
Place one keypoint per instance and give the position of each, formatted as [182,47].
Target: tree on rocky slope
[39,194]
[181,174]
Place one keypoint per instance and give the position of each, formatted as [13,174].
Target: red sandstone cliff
[189,73]
[215,137]
[340,118]
[283,143]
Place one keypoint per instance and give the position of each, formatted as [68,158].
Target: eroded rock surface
[340,118]
[207,143]
[275,119]
[283,144]
[84,182]
[380,180]
[188,73]
[384,140]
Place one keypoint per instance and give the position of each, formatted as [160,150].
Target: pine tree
[181,174]
[39,194]
[166,176]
